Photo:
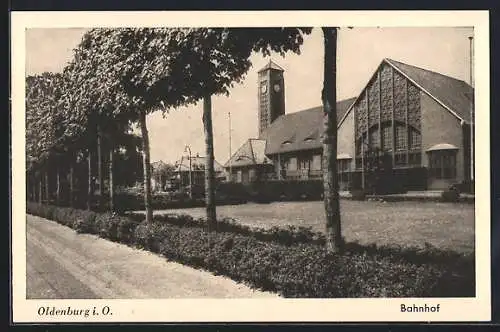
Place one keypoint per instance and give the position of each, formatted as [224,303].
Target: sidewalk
[64,264]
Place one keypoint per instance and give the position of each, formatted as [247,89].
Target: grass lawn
[443,225]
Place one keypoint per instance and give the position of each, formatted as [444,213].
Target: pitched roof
[271,65]
[252,152]
[197,163]
[455,95]
[300,130]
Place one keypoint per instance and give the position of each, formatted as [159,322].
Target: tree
[142,70]
[99,108]
[44,139]
[131,75]
[161,172]
[214,60]
[330,180]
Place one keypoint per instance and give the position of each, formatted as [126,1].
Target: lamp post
[188,149]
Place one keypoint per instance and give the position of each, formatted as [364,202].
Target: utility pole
[180,173]
[188,149]
[230,153]
[471,58]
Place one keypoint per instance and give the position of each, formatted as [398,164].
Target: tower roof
[271,65]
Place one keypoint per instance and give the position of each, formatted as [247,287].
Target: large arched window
[404,142]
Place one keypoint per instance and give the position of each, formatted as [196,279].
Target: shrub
[85,223]
[293,263]
[358,195]
[450,195]
[130,202]
[225,190]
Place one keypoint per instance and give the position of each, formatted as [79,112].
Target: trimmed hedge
[293,235]
[226,194]
[293,270]
[130,202]
[450,195]
[289,235]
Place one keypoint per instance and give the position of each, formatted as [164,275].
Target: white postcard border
[258,310]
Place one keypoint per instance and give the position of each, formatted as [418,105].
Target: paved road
[62,264]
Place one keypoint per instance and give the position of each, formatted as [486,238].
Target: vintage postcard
[307,166]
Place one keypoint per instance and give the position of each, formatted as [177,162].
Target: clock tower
[271,94]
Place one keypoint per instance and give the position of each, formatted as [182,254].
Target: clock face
[263,88]
[277,87]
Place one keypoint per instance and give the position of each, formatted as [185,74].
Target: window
[415,139]
[292,164]
[387,138]
[359,162]
[443,164]
[401,138]
[374,138]
[361,147]
[304,163]
[316,163]
[359,142]
[343,165]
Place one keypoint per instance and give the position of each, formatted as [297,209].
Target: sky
[359,52]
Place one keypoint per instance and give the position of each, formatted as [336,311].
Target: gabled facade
[420,118]
[249,163]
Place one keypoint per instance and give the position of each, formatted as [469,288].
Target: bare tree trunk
[28,187]
[71,184]
[330,180]
[40,191]
[146,167]
[90,187]
[111,184]
[47,189]
[100,177]
[33,188]
[58,185]
[209,164]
